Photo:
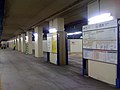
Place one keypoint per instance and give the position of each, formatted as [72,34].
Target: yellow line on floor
[0,84]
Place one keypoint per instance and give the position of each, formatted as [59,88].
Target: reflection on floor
[75,59]
[25,72]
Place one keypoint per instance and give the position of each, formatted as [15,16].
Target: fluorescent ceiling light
[100,18]
[81,37]
[75,33]
[26,38]
[52,30]
[35,34]
[21,39]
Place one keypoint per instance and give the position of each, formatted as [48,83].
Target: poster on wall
[54,43]
[99,55]
[106,34]
[111,57]
[105,39]
[53,58]
[49,43]
[88,54]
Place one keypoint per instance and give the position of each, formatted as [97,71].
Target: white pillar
[10,43]
[38,42]
[22,42]
[16,43]
[13,43]
[19,43]
[58,55]
[58,24]
[29,35]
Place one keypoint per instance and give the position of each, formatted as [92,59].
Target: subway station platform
[25,72]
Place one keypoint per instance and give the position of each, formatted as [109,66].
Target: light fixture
[81,37]
[75,33]
[52,30]
[35,34]
[100,18]
[26,38]
[54,36]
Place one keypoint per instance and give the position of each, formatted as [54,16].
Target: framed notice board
[101,43]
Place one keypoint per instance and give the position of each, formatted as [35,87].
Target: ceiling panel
[21,15]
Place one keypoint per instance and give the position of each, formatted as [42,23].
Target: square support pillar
[29,35]
[58,24]
[38,42]
[57,43]
[22,42]
[16,44]
[19,43]
[13,43]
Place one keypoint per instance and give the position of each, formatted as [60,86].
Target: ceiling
[1,16]
[21,15]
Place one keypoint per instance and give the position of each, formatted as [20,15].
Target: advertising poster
[88,54]
[54,43]
[100,55]
[49,44]
[111,57]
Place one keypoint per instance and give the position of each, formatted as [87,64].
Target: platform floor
[25,72]
[75,58]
